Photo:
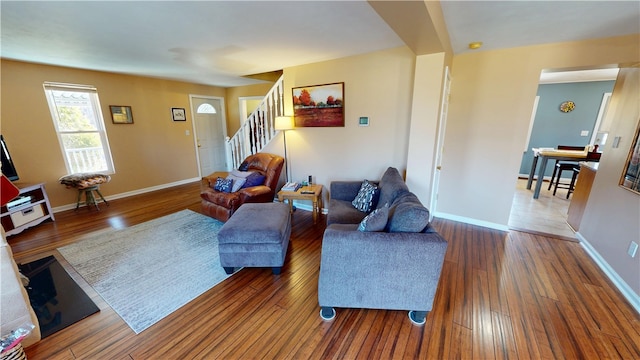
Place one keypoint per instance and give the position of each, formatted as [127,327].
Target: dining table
[546,154]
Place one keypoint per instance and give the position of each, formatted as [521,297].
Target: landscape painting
[319,105]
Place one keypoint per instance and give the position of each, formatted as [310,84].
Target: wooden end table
[311,192]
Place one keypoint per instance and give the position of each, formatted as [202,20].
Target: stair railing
[258,130]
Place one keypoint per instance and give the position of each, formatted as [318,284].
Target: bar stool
[86,184]
[561,166]
[591,156]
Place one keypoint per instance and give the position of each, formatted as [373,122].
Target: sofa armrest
[379,270]
[345,190]
[260,193]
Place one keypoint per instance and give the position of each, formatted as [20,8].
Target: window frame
[94,100]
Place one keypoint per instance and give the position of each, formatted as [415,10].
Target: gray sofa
[396,268]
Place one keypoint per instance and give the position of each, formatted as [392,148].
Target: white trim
[471,221]
[626,291]
[531,121]
[606,97]
[131,193]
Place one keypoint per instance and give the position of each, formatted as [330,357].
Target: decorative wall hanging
[178,114]
[630,178]
[319,105]
[567,106]
[121,114]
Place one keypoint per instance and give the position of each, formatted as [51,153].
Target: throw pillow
[244,166]
[237,182]
[223,185]
[364,199]
[254,179]
[376,221]
[242,174]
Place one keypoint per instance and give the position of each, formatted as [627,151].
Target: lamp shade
[284,123]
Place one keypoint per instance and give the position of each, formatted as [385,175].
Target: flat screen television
[8,168]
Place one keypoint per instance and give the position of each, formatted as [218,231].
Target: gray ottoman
[256,235]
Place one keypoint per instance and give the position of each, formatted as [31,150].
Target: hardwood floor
[501,295]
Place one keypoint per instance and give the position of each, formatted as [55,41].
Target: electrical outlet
[633,248]
[584,133]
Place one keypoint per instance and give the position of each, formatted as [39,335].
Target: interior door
[210,132]
[442,125]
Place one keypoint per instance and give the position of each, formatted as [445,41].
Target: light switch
[616,142]
[186,132]
[584,133]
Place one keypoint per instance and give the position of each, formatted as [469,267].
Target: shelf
[29,214]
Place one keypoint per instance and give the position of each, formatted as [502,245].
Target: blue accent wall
[552,127]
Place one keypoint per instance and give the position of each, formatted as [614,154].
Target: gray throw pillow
[376,221]
[237,182]
[364,200]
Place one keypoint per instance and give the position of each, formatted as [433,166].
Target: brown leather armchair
[221,205]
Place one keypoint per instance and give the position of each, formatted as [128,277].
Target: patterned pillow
[223,185]
[364,199]
[376,221]
[237,182]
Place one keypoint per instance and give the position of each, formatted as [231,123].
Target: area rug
[56,299]
[147,271]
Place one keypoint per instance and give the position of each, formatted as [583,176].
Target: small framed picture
[121,114]
[178,114]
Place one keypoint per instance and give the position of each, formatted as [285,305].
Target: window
[75,110]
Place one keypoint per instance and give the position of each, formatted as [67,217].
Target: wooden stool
[89,199]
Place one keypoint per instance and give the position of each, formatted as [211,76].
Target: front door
[210,132]
[442,125]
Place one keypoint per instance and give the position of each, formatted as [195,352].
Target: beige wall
[233,106]
[612,217]
[153,151]
[378,85]
[492,94]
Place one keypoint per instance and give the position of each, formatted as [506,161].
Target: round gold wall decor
[567,106]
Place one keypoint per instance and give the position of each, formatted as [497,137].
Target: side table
[311,192]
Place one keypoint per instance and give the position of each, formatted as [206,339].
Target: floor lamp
[285,123]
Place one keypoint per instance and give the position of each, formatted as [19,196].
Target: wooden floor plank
[503,295]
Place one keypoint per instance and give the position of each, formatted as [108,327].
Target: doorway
[553,127]
[210,133]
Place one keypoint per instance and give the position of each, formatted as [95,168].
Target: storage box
[22,217]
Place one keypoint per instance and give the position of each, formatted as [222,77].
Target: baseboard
[471,221]
[626,291]
[131,193]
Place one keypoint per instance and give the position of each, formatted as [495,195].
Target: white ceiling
[219,42]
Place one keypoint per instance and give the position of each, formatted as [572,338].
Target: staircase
[256,132]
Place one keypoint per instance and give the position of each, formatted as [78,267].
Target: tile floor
[547,214]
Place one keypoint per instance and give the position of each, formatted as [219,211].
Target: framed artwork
[630,178]
[319,105]
[121,114]
[178,114]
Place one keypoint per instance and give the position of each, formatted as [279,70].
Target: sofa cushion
[376,220]
[391,185]
[342,212]
[364,200]
[254,179]
[407,214]
[223,185]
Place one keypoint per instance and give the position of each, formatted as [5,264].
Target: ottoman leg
[228,270]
